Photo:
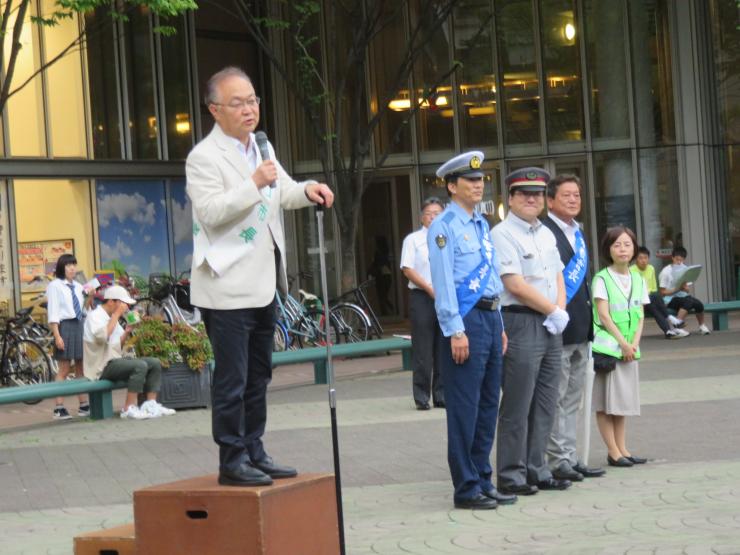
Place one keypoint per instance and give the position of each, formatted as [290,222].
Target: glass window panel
[103,85]
[64,214]
[435,118]
[140,82]
[515,32]
[651,67]
[176,88]
[660,204]
[562,66]
[726,34]
[182,226]
[6,267]
[387,51]
[733,207]
[64,87]
[132,226]
[477,86]
[615,199]
[607,69]
[25,109]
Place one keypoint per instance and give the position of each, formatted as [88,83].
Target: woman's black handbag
[604,364]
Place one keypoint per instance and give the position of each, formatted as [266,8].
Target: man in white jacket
[238,262]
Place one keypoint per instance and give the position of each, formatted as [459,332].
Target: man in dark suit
[563,205]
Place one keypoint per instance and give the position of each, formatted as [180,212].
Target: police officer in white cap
[467,286]
[533,305]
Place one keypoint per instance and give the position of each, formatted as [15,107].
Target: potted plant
[185,354]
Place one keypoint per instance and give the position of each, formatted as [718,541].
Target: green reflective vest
[625,313]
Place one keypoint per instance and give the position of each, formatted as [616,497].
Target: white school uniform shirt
[98,348]
[59,305]
[415,255]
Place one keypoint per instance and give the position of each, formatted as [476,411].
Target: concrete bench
[99,391]
[719,312]
[317,355]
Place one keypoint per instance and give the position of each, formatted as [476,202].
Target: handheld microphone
[261,138]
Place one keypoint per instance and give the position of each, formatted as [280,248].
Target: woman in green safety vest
[619,295]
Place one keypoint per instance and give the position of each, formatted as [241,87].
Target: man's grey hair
[216,78]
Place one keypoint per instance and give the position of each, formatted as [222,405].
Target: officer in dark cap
[533,306]
[467,286]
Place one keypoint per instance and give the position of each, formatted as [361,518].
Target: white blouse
[59,300]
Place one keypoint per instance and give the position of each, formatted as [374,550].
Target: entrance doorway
[384,222]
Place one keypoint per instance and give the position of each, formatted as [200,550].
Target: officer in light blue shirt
[466,283]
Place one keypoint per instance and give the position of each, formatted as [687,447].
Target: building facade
[640,98]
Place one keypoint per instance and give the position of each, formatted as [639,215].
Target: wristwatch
[459,334]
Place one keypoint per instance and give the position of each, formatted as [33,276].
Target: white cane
[585,442]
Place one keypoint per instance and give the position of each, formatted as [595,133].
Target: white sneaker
[673,320]
[681,333]
[673,334]
[151,408]
[704,330]
[134,413]
[164,410]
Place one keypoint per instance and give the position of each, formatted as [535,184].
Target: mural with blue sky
[182,226]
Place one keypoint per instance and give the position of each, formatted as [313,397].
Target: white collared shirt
[98,348]
[415,255]
[59,305]
[531,251]
[569,229]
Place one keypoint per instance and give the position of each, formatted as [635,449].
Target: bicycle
[350,322]
[301,324]
[162,301]
[370,318]
[23,360]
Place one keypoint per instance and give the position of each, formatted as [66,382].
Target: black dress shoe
[569,474]
[422,406]
[501,498]
[439,404]
[479,503]
[621,461]
[553,484]
[274,470]
[518,489]
[636,460]
[245,475]
[589,472]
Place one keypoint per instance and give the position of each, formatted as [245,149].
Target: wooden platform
[113,541]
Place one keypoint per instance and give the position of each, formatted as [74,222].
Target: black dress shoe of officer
[518,489]
[589,472]
[621,461]
[439,404]
[274,470]
[501,498]
[568,474]
[479,503]
[422,406]
[636,460]
[553,484]
[245,475]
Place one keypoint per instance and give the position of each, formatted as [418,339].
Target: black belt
[519,309]
[486,303]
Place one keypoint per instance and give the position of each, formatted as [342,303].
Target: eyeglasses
[252,102]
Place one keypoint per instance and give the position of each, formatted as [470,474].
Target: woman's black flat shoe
[636,460]
[621,461]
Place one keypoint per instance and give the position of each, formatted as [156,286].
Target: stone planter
[182,388]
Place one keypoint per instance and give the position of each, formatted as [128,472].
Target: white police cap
[467,164]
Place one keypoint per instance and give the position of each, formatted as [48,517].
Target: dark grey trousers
[530,394]
[426,338]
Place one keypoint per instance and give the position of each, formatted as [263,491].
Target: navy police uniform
[467,286]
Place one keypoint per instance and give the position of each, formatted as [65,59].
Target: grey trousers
[142,374]
[426,338]
[530,394]
[561,449]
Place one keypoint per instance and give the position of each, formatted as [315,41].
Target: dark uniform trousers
[471,395]
[242,341]
[426,340]
[530,383]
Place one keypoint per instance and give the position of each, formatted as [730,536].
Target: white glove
[556,321]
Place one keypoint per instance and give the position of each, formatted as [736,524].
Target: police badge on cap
[467,164]
[527,179]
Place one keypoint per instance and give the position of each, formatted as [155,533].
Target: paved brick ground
[59,479]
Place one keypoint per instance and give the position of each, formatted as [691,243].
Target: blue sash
[472,287]
[575,272]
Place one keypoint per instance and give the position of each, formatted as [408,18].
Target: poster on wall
[6,282]
[37,261]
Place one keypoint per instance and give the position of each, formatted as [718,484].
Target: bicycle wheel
[28,364]
[351,322]
[280,338]
[314,324]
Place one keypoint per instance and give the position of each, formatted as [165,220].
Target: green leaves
[154,337]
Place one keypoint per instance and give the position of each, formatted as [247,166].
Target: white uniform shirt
[415,255]
[530,251]
[59,301]
[98,348]
[667,280]
[624,282]
[569,229]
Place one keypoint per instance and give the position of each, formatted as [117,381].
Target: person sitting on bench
[676,294]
